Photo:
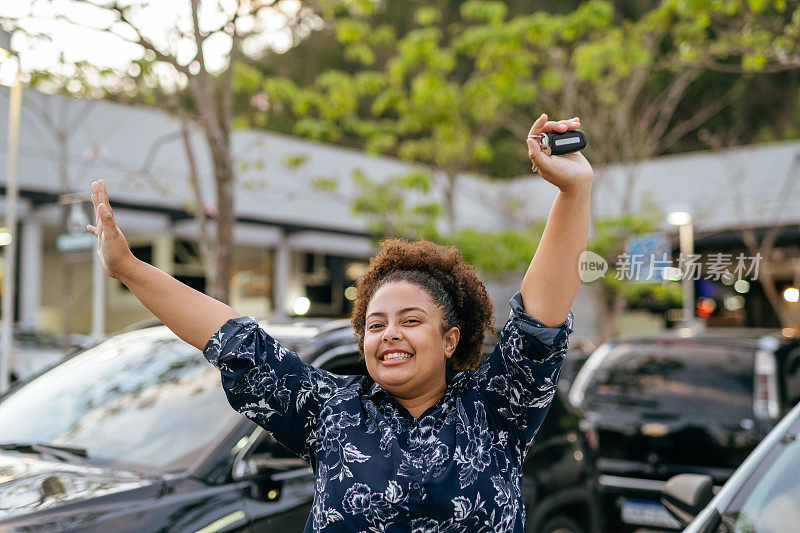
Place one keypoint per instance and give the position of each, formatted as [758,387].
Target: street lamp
[9,76]
[683,219]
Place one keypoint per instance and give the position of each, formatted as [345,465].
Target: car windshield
[143,398]
[675,378]
[770,501]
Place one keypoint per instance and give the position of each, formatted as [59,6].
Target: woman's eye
[412,321]
[374,326]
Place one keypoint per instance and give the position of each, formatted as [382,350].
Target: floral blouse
[455,469]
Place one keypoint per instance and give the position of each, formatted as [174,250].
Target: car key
[555,143]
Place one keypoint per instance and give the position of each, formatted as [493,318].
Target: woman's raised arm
[552,280]
[190,314]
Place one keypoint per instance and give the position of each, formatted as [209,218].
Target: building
[295,236]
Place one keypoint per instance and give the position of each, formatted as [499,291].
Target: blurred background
[259,150]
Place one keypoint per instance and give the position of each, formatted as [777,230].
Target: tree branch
[141,40]
[698,119]
[664,106]
[194,182]
[198,38]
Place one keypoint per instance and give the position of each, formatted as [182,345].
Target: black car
[136,434]
[685,402]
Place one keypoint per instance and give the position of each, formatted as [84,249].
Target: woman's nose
[391,333]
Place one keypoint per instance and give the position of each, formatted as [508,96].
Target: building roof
[67,143]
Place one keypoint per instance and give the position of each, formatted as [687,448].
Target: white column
[98,297]
[281,277]
[10,250]
[164,252]
[686,243]
[30,282]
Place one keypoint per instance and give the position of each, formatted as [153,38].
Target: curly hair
[449,280]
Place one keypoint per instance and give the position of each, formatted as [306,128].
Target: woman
[411,447]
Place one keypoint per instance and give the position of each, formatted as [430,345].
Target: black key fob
[563,143]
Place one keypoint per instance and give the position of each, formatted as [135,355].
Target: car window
[770,501]
[573,362]
[791,377]
[145,398]
[674,378]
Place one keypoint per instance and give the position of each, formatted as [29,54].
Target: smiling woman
[422,311]
[433,439]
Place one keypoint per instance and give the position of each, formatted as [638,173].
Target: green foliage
[247,78]
[349,30]
[251,164]
[452,81]
[495,253]
[664,294]
[483,11]
[427,15]
[398,206]
[294,161]
[325,184]
[609,239]
[610,234]
[454,85]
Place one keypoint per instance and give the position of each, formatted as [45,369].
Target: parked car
[135,434]
[580,348]
[681,402]
[763,495]
[33,352]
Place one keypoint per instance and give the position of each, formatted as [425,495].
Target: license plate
[646,513]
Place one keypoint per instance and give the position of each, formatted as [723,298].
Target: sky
[81,38]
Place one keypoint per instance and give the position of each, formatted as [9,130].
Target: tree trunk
[218,285]
[208,255]
[451,178]
[773,297]
[611,304]
[214,109]
[765,248]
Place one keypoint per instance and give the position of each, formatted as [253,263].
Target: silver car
[762,496]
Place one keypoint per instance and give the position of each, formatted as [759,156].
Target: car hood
[30,483]
[632,443]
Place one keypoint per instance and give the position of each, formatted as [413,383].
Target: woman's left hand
[568,171]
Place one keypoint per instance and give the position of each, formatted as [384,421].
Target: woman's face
[404,347]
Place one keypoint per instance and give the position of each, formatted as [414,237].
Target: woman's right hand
[115,255]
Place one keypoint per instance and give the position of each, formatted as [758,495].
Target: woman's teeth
[397,355]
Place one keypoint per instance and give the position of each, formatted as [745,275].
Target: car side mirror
[264,465]
[686,495]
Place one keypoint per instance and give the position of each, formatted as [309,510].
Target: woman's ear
[451,341]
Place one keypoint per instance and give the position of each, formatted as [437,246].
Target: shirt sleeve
[269,384]
[519,378]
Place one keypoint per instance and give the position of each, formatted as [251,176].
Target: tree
[176,72]
[458,93]
[628,79]
[410,96]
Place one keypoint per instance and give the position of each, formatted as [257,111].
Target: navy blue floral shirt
[455,469]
